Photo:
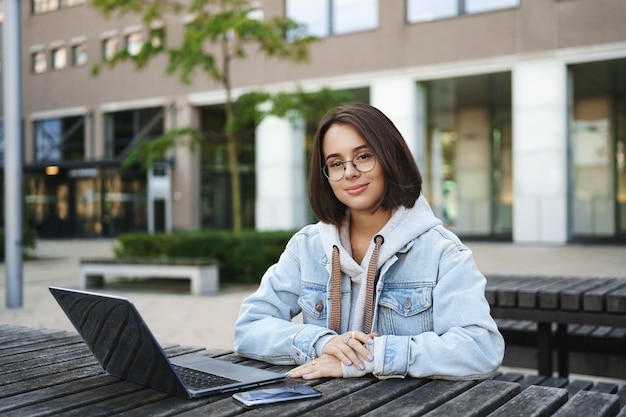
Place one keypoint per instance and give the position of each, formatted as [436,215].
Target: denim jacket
[430,310]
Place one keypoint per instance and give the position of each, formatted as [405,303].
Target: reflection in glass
[311,13]
[425,10]
[59,58]
[354,15]
[134,43]
[39,63]
[109,48]
[479,6]
[79,54]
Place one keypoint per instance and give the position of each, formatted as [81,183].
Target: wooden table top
[49,372]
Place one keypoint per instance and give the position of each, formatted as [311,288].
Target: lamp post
[12,106]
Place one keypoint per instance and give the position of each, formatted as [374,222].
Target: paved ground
[178,317]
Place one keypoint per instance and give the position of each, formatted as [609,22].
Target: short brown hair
[403,181]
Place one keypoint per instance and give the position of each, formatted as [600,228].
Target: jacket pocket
[406,310]
[313,303]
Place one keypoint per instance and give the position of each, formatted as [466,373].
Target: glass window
[313,14]
[354,15]
[60,139]
[48,140]
[124,129]
[157,37]
[479,6]
[109,48]
[134,42]
[58,58]
[43,6]
[70,3]
[79,54]
[325,17]
[427,10]
[38,62]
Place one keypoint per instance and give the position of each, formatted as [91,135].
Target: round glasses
[335,169]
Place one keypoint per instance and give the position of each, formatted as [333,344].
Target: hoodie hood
[405,225]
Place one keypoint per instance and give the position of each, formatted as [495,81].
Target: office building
[515,110]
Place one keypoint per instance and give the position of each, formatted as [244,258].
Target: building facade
[515,111]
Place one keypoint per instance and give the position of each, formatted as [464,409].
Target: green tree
[219,32]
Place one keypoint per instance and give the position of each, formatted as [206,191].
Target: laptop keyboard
[197,380]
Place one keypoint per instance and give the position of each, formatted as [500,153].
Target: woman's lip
[356,189]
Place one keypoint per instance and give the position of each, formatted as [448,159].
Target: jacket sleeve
[465,342]
[264,329]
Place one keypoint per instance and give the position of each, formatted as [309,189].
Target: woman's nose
[350,170]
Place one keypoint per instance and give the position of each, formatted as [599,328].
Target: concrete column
[540,152]
[186,170]
[281,190]
[473,171]
[403,100]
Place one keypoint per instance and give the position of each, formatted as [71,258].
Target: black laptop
[125,347]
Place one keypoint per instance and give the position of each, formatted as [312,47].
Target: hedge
[242,258]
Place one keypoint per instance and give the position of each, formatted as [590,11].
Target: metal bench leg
[544,348]
[563,350]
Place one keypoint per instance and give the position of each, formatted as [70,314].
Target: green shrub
[242,258]
[29,242]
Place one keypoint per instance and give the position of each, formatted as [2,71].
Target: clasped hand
[348,348]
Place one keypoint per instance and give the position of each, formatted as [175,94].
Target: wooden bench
[558,306]
[203,274]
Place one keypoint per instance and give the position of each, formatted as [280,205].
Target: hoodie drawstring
[371,277]
[335,287]
[335,291]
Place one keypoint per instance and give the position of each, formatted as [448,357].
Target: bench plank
[616,301]
[589,403]
[529,297]
[480,400]
[423,399]
[595,300]
[572,297]
[535,401]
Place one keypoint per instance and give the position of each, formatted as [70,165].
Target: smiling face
[359,191]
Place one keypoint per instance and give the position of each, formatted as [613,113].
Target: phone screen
[274,395]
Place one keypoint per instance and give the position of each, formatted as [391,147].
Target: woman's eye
[364,156]
[335,164]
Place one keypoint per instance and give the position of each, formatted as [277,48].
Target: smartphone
[274,395]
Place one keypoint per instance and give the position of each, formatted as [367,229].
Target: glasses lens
[365,162]
[334,172]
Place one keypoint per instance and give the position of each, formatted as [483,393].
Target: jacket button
[408,304]
[319,307]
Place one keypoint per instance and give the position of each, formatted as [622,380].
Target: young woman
[382,286]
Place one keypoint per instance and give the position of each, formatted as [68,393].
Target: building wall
[536,27]
[536,36]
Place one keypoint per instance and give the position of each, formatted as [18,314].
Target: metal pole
[12,105]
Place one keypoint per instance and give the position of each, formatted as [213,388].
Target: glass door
[87,206]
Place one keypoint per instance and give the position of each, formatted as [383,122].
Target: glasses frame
[324,169]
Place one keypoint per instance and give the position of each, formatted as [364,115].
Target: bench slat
[480,400]
[616,301]
[572,298]
[535,401]
[550,296]
[595,300]
[589,403]
[529,297]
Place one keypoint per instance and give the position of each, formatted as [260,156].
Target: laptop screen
[119,339]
